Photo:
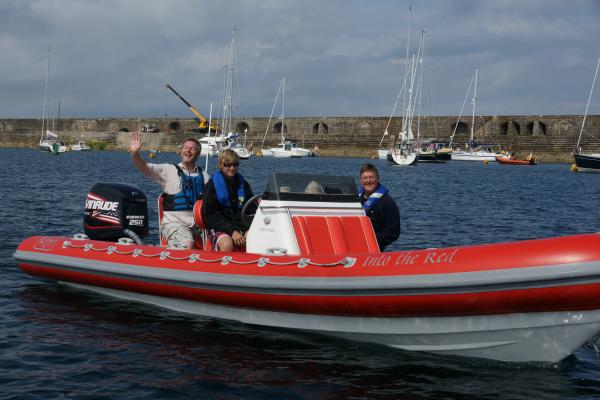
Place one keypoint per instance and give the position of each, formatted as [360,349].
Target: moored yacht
[587,161]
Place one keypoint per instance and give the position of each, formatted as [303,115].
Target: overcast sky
[112,58]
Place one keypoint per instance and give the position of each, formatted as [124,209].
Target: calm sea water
[58,342]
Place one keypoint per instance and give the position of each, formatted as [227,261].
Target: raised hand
[135,143]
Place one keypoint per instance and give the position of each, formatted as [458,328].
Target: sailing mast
[407,67]
[587,106]
[417,101]
[44,100]
[228,87]
[461,111]
[473,100]
[262,145]
[283,109]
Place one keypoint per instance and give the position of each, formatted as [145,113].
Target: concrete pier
[549,137]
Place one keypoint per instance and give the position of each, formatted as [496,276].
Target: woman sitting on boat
[224,196]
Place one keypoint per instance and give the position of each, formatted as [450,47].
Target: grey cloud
[112,58]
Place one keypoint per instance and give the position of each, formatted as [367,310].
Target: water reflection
[77,334]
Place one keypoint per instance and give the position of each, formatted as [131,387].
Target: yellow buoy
[574,168]
[486,162]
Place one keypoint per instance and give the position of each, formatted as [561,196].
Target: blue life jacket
[222,193]
[191,190]
[373,198]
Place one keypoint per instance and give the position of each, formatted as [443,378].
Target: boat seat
[199,242]
[334,235]
[159,208]
[314,187]
[201,224]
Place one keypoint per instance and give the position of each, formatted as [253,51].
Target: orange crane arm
[199,117]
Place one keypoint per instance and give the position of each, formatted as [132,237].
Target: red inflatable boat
[514,161]
[313,264]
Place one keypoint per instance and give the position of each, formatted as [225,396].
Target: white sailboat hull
[301,152]
[403,159]
[474,156]
[48,145]
[80,146]
[280,153]
[242,152]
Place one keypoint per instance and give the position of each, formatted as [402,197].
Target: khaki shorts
[175,233]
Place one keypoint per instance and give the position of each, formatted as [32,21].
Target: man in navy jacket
[379,206]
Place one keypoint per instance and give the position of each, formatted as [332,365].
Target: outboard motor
[115,210]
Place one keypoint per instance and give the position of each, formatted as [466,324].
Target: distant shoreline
[549,138]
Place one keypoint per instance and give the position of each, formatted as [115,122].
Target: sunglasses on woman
[227,165]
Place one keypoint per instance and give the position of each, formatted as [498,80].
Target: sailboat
[404,152]
[428,150]
[48,139]
[286,148]
[230,139]
[80,145]
[475,151]
[587,161]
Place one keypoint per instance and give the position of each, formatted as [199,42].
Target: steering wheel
[244,214]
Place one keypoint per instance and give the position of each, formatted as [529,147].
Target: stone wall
[551,138]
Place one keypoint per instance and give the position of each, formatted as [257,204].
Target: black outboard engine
[115,210]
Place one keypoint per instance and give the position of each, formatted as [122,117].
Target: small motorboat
[510,160]
[312,263]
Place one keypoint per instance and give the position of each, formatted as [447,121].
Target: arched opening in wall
[460,127]
[320,129]
[277,128]
[123,130]
[504,129]
[530,128]
[242,127]
[542,128]
[174,126]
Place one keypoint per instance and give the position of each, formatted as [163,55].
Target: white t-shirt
[167,177]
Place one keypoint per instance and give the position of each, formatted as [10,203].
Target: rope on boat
[346,262]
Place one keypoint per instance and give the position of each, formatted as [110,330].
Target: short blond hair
[228,156]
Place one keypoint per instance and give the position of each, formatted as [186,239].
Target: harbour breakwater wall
[550,138]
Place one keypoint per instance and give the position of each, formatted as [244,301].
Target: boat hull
[507,337]
[511,161]
[522,301]
[434,157]
[589,162]
[403,159]
[473,156]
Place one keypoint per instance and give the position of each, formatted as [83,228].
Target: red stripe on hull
[563,298]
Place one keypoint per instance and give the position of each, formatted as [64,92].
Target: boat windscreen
[311,187]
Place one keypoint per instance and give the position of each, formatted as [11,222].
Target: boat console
[307,214]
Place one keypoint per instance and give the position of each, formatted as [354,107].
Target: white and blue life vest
[191,190]
[373,198]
